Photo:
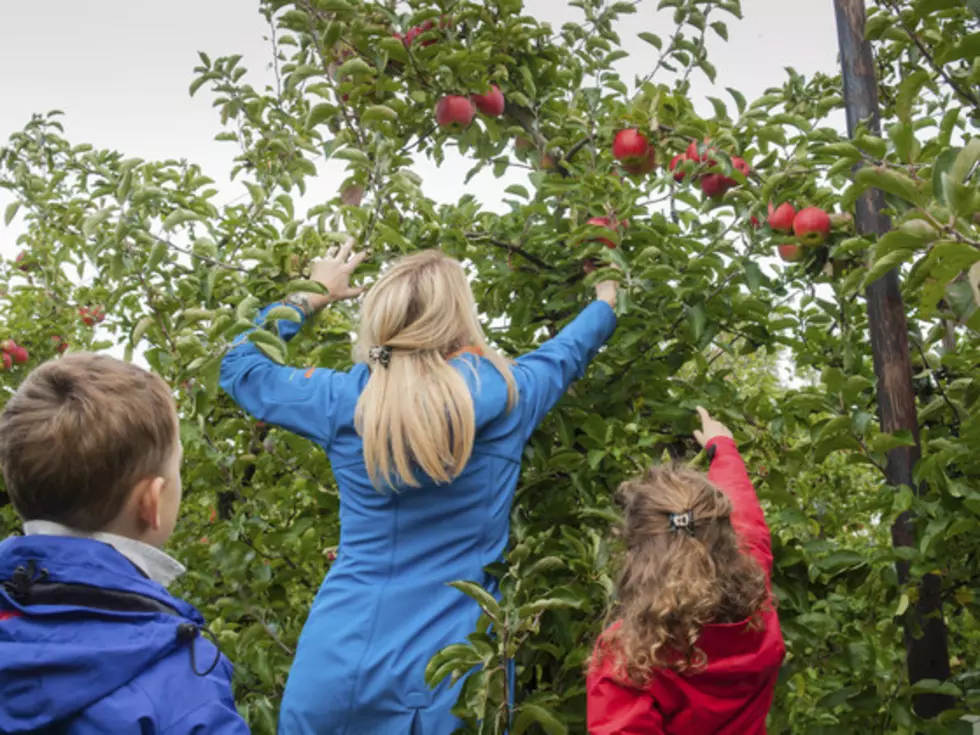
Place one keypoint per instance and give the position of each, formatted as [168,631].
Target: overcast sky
[120,70]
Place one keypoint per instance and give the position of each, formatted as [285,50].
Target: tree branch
[481,237]
[963,93]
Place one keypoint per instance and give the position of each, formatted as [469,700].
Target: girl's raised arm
[729,474]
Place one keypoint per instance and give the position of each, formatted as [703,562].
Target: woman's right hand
[710,429]
[334,271]
[606,291]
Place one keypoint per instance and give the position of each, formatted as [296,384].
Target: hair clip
[380,355]
[682,522]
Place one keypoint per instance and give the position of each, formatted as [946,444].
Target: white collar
[155,564]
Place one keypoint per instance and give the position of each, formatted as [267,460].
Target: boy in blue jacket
[90,639]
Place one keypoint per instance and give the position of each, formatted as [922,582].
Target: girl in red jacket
[696,646]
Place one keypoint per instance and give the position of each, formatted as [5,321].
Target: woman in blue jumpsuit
[385,607]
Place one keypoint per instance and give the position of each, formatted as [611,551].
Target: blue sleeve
[544,375]
[303,401]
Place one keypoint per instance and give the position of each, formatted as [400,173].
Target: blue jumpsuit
[385,607]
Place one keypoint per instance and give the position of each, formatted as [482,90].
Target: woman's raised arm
[545,374]
[300,400]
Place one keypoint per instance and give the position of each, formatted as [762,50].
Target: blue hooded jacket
[73,669]
[385,607]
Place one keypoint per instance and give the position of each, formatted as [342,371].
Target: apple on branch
[812,226]
[454,112]
[490,104]
[781,218]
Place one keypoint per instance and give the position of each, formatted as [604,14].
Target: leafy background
[779,352]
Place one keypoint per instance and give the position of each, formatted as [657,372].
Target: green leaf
[892,182]
[967,158]
[245,308]
[303,286]
[319,114]
[93,221]
[529,714]
[283,312]
[355,67]
[274,354]
[720,28]
[653,39]
[486,601]
[698,318]
[738,97]
[10,212]
[908,93]
[881,267]
[179,217]
[140,329]
[378,112]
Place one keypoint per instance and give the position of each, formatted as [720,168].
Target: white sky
[120,70]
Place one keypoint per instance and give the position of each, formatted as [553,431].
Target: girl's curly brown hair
[672,583]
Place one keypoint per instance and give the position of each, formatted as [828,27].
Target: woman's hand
[710,429]
[333,272]
[606,291]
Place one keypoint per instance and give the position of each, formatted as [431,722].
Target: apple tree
[758,313]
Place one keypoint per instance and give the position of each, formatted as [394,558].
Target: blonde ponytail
[416,413]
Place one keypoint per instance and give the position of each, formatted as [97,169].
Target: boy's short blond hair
[79,434]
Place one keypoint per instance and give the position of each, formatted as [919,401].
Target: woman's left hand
[334,271]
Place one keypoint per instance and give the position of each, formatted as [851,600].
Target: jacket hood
[56,660]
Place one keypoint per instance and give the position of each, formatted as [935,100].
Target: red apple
[811,226]
[8,345]
[781,218]
[8,361]
[59,344]
[739,164]
[24,262]
[607,223]
[715,185]
[91,315]
[644,166]
[755,222]
[692,152]
[589,266]
[630,146]
[675,163]
[454,112]
[490,104]
[19,354]
[790,253]
[331,555]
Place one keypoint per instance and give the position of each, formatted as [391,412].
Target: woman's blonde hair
[416,412]
[673,583]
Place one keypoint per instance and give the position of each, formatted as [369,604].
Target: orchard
[815,287]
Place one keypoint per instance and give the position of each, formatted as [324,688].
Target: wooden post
[927,654]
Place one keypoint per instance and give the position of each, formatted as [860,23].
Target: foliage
[179,274]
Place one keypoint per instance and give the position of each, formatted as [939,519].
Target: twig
[480,237]
[965,94]
[203,258]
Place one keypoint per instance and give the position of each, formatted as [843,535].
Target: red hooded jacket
[732,695]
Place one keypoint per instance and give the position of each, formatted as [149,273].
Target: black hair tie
[682,522]
[381,355]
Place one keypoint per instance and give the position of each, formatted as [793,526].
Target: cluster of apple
[91,315]
[810,225]
[455,112]
[714,186]
[408,38]
[12,353]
